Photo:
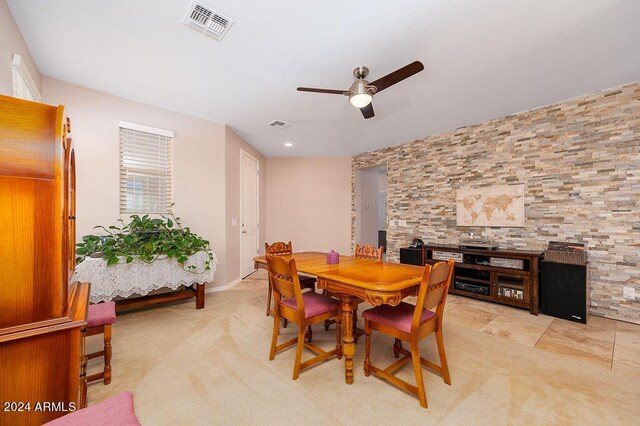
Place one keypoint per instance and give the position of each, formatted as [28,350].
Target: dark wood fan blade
[311,89]
[367,111]
[398,75]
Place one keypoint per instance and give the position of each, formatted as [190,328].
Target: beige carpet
[191,367]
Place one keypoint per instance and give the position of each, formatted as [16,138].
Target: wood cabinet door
[69,217]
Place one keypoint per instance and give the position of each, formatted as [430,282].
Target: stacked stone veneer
[580,163]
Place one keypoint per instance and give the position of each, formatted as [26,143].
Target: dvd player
[472,288]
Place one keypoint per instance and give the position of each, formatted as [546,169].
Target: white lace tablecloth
[138,277]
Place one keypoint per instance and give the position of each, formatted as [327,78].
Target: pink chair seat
[101,314]
[115,411]
[398,317]
[314,304]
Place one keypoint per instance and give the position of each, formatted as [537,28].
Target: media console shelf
[503,276]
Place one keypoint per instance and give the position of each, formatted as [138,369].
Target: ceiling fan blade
[311,89]
[367,111]
[397,76]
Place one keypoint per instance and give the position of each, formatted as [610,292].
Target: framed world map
[501,205]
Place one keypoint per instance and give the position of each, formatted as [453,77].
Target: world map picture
[491,206]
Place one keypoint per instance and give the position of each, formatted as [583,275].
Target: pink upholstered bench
[115,411]
[100,318]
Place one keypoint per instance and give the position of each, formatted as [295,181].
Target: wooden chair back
[434,289]
[369,252]
[283,276]
[278,248]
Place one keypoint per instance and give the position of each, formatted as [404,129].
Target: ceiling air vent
[279,124]
[205,19]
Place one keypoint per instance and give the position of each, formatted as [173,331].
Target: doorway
[371,206]
[249,212]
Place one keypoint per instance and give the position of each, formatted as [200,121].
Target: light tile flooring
[607,343]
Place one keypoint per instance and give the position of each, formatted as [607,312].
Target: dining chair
[369,252]
[301,308]
[361,252]
[281,249]
[411,324]
[99,320]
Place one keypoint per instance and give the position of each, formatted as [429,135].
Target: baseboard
[224,287]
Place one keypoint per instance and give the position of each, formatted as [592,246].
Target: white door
[248,213]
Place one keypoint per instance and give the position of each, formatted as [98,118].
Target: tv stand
[509,277]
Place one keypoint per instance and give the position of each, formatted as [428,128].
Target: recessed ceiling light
[288,144]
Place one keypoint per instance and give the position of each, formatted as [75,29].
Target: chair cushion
[115,411]
[314,304]
[101,314]
[398,317]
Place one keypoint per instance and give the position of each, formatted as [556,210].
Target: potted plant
[146,239]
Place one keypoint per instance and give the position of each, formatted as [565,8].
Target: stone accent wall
[580,163]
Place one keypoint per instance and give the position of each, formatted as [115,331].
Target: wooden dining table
[378,283]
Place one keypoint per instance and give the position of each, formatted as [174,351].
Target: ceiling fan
[361,91]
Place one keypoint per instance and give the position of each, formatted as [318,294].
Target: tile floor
[607,343]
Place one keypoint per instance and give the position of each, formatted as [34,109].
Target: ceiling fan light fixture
[360,100]
[360,96]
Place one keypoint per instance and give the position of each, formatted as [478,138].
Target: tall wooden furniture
[509,277]
[279,249]
[412,324]
[42,316]
[304,309]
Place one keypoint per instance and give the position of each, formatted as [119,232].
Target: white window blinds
[146,181]
[23,85]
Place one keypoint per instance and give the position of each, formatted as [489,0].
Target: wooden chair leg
[269,299]
[417,367]
[355,322]
[338,336]
[309,335]
[299,349]
[397,345]
[274,336]
[327,322]
[107,354]
[367,348]
[443,357]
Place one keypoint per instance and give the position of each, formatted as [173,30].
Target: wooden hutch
[42,314]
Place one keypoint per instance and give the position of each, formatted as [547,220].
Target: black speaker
[412,256]
[564,291]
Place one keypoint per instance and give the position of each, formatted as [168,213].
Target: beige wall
[199,161]
[234,144]
[309,202]
[11,42]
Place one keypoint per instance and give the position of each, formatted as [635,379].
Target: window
[23,85]
[146,182]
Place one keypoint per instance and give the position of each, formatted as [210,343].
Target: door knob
[244,232]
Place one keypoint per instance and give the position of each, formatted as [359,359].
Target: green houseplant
[146,239]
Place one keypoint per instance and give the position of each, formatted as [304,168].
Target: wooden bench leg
[107,354]
[199,296]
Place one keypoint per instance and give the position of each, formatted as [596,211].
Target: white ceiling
[483,59]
